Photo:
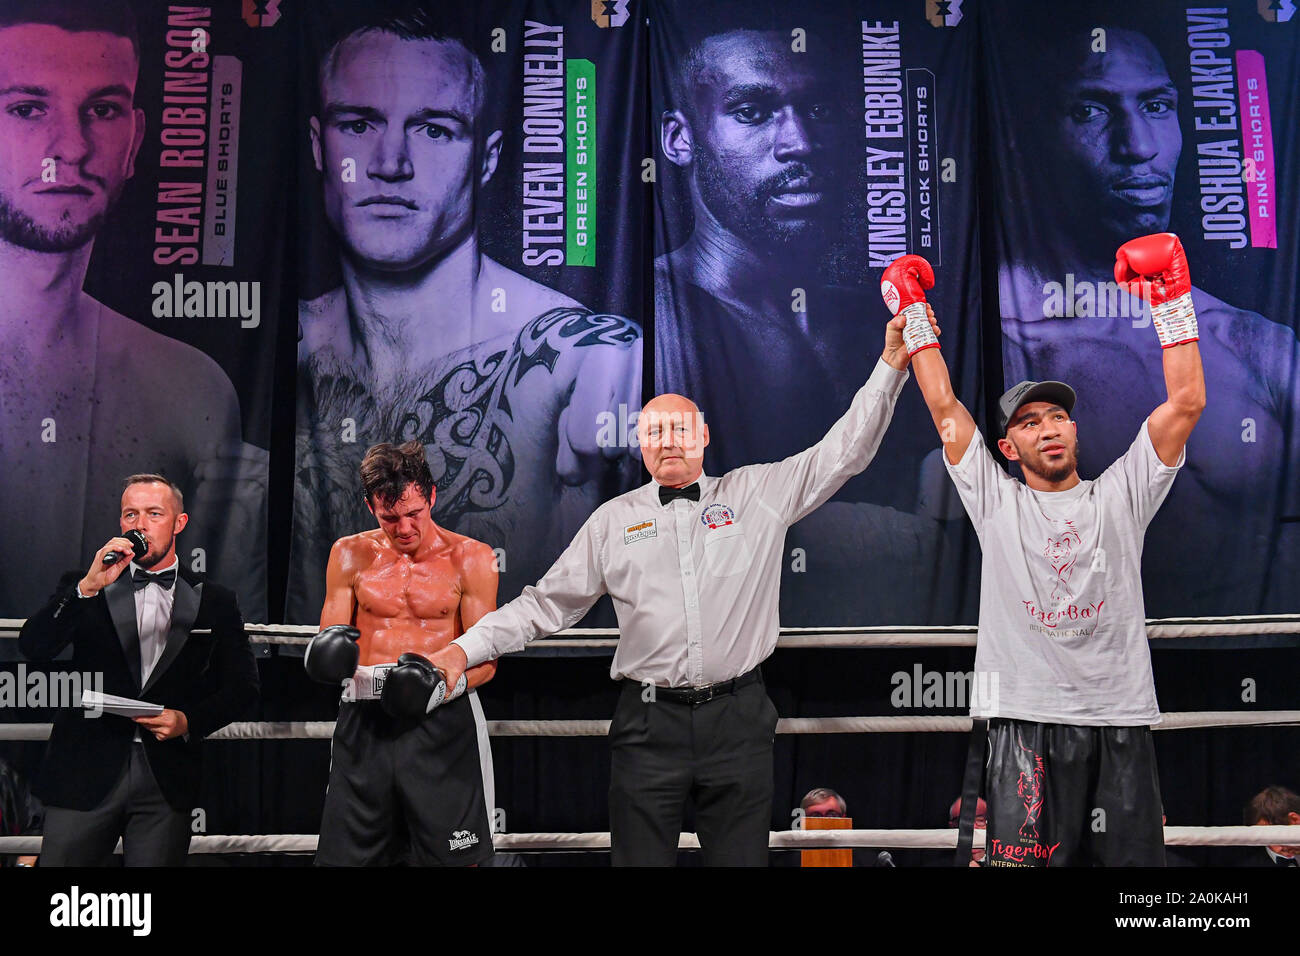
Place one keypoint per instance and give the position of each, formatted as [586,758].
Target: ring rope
[324,729]
[806,638]
[777,840]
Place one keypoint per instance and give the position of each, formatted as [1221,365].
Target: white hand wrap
[459,688]
[440,695]
[1175,321]
[918,333]
[367,683]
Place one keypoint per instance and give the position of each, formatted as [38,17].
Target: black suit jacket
[207,671]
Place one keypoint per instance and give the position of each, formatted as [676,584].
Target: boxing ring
[294,636]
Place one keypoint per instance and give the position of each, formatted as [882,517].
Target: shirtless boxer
[394,597]
[1062,621]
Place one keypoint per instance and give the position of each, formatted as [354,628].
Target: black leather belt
[701,695]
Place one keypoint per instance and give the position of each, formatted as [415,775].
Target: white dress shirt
[153,618]
[695,585]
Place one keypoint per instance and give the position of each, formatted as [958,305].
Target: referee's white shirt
[695,585]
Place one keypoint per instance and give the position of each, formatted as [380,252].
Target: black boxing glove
[412,688]
[333,654]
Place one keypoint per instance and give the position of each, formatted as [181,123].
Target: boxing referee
[693,565]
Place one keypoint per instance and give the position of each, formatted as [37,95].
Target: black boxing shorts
[405,791]
[1070,795]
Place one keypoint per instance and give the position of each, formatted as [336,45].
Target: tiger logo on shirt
[1061,554]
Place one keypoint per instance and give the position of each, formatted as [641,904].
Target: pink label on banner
[1257,160]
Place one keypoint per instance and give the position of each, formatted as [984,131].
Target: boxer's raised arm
[1171,424]
[340,600]
[1155,268]
[951,419]
[903,286]
[478,597]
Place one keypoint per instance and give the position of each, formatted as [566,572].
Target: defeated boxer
[1071,776]
[410,771]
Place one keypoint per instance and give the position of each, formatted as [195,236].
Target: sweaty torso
[403,603]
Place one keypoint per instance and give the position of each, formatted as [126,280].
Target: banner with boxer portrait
[470,268]
[800,149]
[142,212]
[1113,120]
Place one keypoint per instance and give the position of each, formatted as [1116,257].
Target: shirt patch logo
[717,516]
[641,530]
[462,840]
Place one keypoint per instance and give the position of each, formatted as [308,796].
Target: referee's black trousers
[718,754]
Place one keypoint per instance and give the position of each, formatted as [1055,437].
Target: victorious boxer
[1108,124]
[1062,636]
[394,597]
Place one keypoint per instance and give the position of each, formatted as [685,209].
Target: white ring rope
[324,729]
[962,635]
[806,638]
[777,840]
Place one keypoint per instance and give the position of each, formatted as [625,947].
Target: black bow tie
[141,578]
[1283,861]
[691,491]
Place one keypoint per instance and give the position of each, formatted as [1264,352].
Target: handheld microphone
[139,547]
[884,858]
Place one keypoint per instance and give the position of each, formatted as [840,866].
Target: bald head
[673,437]
[670,402]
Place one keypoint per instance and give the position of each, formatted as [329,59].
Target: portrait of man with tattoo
[504,380]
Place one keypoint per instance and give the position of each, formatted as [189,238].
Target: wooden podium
[837,856]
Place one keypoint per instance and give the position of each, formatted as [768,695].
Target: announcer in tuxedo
[155,632]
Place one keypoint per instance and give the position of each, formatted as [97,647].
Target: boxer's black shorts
[405,791]
[1069,795]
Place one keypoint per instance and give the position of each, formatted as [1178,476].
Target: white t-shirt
[1062,628]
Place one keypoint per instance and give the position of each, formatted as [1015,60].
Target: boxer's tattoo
[461,421]
[464,418]
[594,329]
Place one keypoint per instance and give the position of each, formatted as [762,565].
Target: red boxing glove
[903,288]
[1155,268]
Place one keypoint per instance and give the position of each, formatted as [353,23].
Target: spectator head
[1275,806]
[823,802]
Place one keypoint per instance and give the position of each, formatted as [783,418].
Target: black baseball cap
[1056,392]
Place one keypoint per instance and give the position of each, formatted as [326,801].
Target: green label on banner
[580,165]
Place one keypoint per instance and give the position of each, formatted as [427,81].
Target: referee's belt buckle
[702,695]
